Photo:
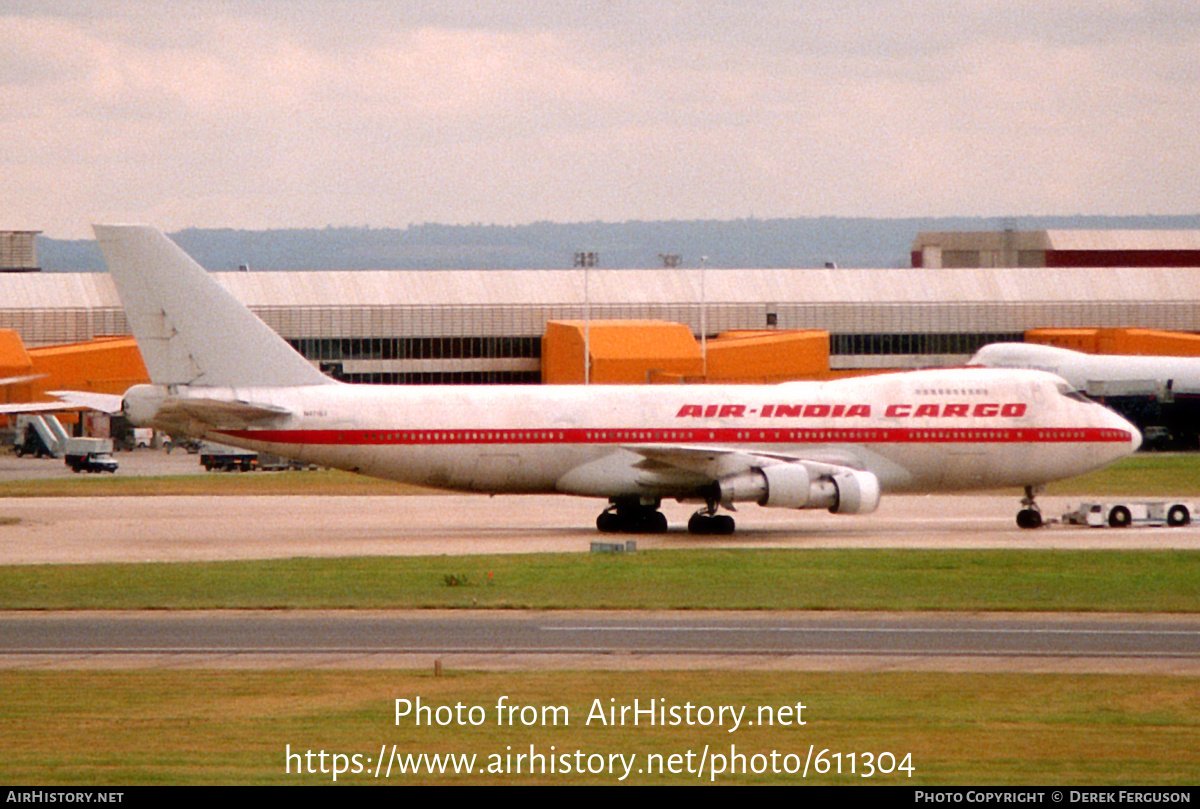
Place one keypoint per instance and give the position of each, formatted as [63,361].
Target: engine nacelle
[858,492]
[790,485]
[141,404]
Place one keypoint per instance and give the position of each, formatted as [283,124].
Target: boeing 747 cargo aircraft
[220,373]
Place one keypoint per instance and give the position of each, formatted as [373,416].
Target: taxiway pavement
[204,528]
[604,640]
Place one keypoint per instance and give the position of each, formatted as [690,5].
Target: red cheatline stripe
[979,435]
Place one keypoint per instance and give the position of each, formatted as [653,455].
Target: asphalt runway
[590,639]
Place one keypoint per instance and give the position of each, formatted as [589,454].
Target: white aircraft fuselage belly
[923,431]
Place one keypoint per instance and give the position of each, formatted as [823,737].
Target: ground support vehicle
[227,459]
[89,455]
[1132,512]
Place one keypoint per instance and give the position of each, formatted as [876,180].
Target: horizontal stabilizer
[38,407]
[68,400]
[87,400]
[217,413]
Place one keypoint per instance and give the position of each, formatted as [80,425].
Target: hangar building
[468,326]
[1058,248]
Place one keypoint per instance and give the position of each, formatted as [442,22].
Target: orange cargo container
[658,352]
[768,356]
[1074,339]
[622,352]
[1145,342]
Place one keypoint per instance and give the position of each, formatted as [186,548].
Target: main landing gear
[629,515]
[1030,516]
[708,522]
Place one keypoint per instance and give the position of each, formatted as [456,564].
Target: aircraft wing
[830,478]
[719,462]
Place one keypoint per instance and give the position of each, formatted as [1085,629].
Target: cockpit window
[1072,393]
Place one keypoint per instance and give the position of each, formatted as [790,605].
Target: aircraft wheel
[644,521]
[703,524]
[1029,518]
[1119,517]
[639,520]
[1178,515]
[658,523]
[608,522]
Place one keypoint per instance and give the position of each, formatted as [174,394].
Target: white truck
[1134,512]
[89,454]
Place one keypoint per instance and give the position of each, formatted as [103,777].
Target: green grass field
[1148,474]
[1166,581]
[324,482]
[234,727]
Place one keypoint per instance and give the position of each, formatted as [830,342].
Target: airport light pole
[587,330]
[703,319]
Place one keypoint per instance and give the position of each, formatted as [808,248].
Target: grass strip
[234,727]
[812,579]
[244,484]
[1147,474]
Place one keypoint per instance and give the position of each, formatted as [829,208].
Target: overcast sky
[307,113]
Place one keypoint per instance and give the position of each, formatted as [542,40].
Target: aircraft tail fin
[190,329]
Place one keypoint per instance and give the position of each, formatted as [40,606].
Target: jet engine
[791,485]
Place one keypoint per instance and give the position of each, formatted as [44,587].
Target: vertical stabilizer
[190,329]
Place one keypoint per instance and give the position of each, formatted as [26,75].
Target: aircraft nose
[1118,422]
[1135,439]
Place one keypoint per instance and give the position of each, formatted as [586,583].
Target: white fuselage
[921,431]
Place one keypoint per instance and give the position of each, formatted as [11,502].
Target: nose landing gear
[1030,516]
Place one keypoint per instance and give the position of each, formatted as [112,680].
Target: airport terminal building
[476,326]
